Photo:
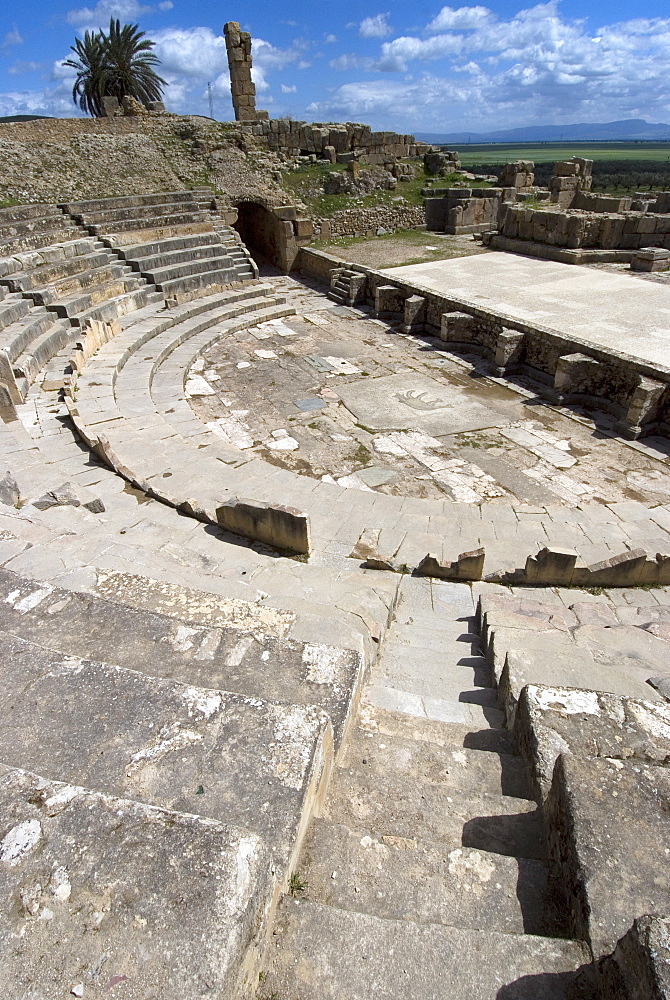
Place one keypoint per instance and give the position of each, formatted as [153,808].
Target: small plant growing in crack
[297,884]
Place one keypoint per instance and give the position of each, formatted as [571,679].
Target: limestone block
[281,527]
[639,967]
[458,327]
[623,570]
[389,300]
[415,313]
[609,837]
[111,106]
[643,406]
[287,213]
[468,566]
[9,490]
[551,566]
[572,370]
[551,720]
[509,348]
[8,379]
[650,259]
[199,889]
[304,229]
[231,31]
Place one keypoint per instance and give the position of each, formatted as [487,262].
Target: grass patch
[7,202]
[306,183]
[297,884]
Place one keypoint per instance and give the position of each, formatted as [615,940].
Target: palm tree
[120,64]
[130,64]
[88,90]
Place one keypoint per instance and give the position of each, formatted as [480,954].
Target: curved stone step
[129,201]
[248,655]
[405,807]
[43,274]
[84,280]
[250,763]
[321,951]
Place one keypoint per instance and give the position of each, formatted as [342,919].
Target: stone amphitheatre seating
[170,239]
[141,250]
[410,781]
[25,227]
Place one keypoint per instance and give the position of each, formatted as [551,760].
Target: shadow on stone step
[541,900]
[519,835]
[494,740]
[484,696]
[551,986]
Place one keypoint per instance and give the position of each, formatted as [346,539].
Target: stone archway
[262,233]
[272,235]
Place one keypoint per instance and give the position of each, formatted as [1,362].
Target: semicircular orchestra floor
[334,394]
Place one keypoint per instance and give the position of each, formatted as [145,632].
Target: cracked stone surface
[337,395]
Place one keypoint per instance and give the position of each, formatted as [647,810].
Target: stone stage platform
[618,312]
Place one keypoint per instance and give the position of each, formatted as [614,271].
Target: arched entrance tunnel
[272,235]
[262,233]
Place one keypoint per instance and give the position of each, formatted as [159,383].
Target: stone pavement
[611,311]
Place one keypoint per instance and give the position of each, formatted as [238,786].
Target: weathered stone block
[509,347]
[572,370]
[304,229]
[551,566]
[78,864]
[457,326]
[608,833]
[468,566]
[551,720]
[281,527]
[639,968]
[389,300]
[415,313]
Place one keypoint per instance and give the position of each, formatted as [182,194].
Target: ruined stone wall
[368,221]
[465,210]
[574,229]
[337,142]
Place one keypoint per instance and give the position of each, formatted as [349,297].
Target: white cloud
[375,27]
[24,66]
[99,15]
[349,61]
[330,39]
[287,90]
[460,18]
[12,37]
[396,54]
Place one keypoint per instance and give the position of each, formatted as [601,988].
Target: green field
[543,152]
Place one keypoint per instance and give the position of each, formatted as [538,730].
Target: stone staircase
[431,848]
[347,286]
[156,213]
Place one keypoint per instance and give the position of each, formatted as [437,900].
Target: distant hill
[628,130]
[21,118]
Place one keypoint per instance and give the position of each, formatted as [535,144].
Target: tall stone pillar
[238,47]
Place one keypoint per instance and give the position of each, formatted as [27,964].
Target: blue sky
[411,66]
